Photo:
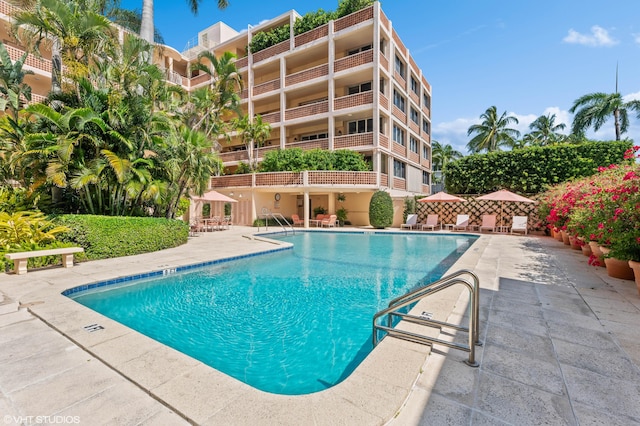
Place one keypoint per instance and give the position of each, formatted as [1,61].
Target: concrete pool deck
[561,346]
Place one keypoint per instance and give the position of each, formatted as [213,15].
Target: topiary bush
[104,237]
[380,210]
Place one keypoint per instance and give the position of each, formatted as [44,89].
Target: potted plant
[341,213]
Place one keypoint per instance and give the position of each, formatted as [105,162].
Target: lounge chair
[432,222]
[329,221]
[296,220]
[488,222]
[412,220]
[519,224]
[462,223]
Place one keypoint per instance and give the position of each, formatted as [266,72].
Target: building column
[306,207]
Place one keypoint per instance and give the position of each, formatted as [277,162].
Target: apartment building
[349,84]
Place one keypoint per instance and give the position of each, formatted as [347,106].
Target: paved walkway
[561,346]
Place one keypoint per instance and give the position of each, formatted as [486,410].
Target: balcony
[271,51]
[384,62]
[413,126]
[413,156]
[397,113]
[352,141]
[353,19]
[400,79]
[383,141]
[308,145]
[271,118]
[234,156]
[307,110]
[266,87]
[297,179]
[425,163]
[351,61]
[399,183]
[399,149]
[305,75]
[309,36]
[384,102]
[199,79]
[351,101]
[242,63]
[31,61]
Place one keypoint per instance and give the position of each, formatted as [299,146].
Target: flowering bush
[604,208]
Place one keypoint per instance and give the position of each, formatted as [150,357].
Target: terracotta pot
[565,238]
[618,268]
[635,266]
[595,250]
[557,235]
[586,250]
[574,243]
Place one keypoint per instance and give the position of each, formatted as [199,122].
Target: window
[364,87]
[425,152]
[382,85]
[414,86]
[413,144]
[359,49]
[415,117]
[426,100]
[382,45]
[425,126]
[398,135]
[425,177]
[360,126]
[398,100]
[400,67]
[314,137]
[399,169]
[382,126]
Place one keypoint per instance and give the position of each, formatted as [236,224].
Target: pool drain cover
[93,327]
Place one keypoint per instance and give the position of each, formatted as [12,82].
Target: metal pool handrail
[422,292]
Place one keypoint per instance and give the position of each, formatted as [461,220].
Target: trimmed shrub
[532,169]
[380,210]
[297,160]
[104,237]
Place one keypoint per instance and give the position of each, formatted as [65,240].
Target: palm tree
[594,109]
[493,132]
[75,30]
[443,154]
[545,131]
[253,133]
[147,29]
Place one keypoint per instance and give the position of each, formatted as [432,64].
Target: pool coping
[372,394]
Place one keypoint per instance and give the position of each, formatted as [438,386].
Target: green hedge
[104,237]
[532,169]
[297,160]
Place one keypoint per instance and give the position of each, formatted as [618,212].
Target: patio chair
[296,220]
[329,221]
[462,223]
[412,220]
[519,224]
[488,222]
[432,222]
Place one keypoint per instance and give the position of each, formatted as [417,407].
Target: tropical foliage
[545,131]
[296,160]
[443,154]
[594,109]
[493,132]
[531,170]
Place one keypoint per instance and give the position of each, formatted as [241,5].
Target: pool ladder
[280,220]
[420,293]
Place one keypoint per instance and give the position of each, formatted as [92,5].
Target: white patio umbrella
[504,195]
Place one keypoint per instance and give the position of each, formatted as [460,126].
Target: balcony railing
[413,156]
[399,183]
[296,179]
[384,141]
[355,100]
[309,36]
[384,179]
[32,61]
[399,149]
[242,62]
[234,156]
[384,102]
[271,51]
[308,145]
[266,87]
[384,62]
[308,74]
[307,110]
[272,117]
[353,19]
[400,79]
[351,141]
[351,61]
[397,113]
[199,79]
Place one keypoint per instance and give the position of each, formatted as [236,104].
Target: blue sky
[528,58]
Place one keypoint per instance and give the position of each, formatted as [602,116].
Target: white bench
[20,259]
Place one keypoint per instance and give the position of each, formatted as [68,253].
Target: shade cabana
[502,196]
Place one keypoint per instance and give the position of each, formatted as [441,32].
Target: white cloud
[636,37]
[598,37]
[631,97]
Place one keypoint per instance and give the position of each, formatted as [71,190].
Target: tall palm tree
[253,133]
[443,154]
[75,30]
[594,109]
[493,132]
[545,131]
[147,29]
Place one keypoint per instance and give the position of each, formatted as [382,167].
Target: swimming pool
[290,322]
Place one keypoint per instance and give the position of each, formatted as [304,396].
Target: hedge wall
[114,236]
[532,169]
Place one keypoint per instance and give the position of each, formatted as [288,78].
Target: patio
[560,346]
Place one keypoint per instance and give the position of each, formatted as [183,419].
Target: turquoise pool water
[292,322]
